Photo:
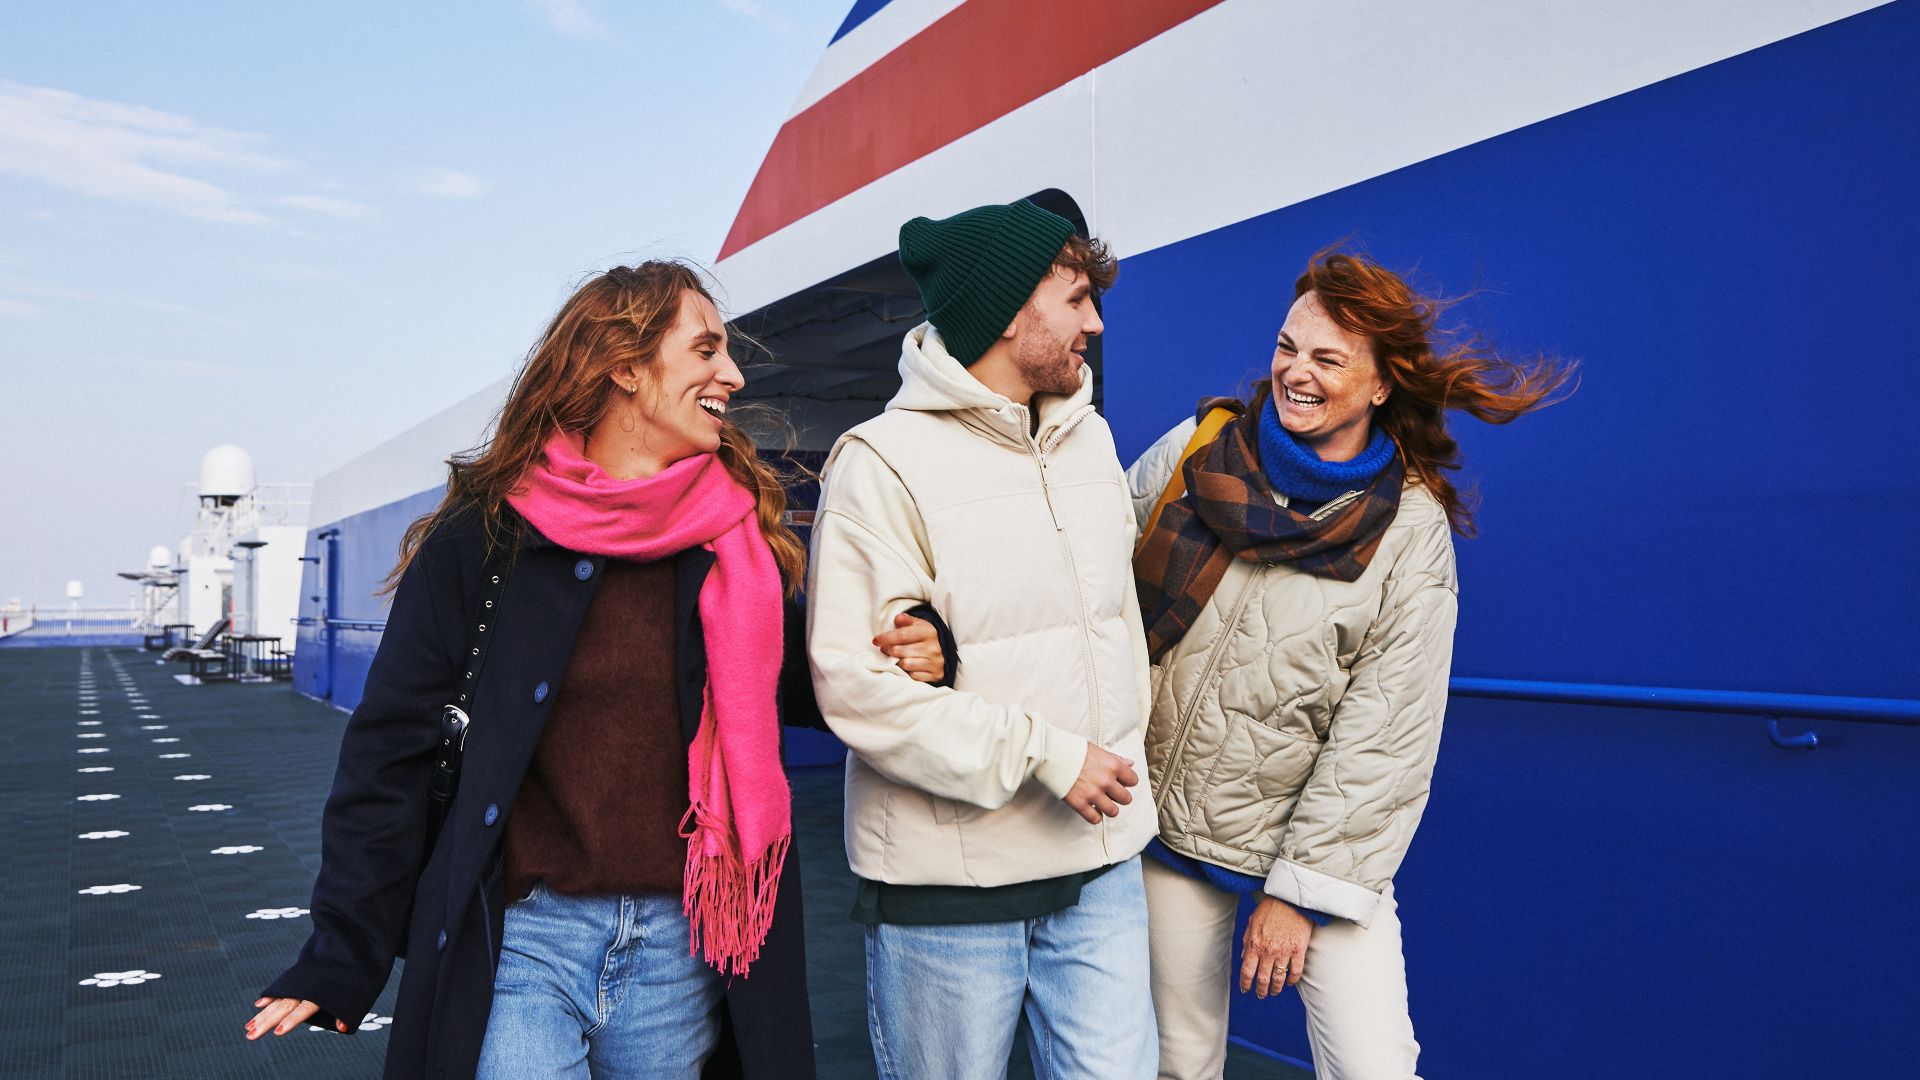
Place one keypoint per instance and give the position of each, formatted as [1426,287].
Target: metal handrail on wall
[340,624]
[1901,712]
[1860,710]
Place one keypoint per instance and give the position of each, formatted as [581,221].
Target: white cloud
[20,309]
[569,17]
[345,209]
[445,183]
[126,153]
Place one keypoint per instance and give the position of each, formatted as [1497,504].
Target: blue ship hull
[1726,504]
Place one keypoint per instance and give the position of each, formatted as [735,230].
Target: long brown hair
[616,319]
[1464,373]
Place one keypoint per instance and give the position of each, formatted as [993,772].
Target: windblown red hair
[1429,371]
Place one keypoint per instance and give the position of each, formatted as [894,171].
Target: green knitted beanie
[976,268]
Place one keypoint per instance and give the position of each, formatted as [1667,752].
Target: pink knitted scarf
[741,809]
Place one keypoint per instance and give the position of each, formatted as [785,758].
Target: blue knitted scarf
[1297,472]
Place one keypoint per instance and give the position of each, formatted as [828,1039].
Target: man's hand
[1101,788]
[1274,950]
[914,646]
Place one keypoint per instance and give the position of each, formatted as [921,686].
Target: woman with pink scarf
[607,590]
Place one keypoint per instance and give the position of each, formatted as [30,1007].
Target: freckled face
[1326,382]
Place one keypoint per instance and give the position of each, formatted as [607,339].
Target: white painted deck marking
[121,978]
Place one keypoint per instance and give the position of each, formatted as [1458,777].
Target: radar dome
[75,590]
[159,558]
[226,473]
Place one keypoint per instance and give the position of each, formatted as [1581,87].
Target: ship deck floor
[173,830]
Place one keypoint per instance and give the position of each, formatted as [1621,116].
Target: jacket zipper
[1184,722]
[1183,725]
[1039,455]
[1334,505]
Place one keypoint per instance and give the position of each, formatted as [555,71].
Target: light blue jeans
[944,1001]
[599,986]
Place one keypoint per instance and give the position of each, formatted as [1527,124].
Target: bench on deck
[205,662]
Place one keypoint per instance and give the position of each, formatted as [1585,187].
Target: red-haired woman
[613,885]
[1299,601]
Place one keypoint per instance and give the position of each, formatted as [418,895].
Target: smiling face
[1050,333]
[1326,382]
[676,403]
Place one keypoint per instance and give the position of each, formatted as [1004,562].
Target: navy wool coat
[382,894]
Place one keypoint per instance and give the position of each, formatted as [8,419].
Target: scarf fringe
[729,903]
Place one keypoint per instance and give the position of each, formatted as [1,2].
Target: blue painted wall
[1726,503]
[1602,892]
[343,575]
[1728,500]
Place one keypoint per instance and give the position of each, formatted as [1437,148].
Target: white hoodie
[1023,543]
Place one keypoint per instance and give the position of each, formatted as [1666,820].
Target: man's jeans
[600,986]
[944,1001]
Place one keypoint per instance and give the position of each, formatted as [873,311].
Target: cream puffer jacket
[1294,727]
[1023,542]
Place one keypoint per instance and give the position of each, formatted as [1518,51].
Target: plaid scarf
[1228,512]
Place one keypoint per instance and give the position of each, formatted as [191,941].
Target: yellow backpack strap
[1206,432]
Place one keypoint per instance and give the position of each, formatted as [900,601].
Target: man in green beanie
[995,824]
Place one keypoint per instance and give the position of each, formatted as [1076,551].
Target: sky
[302,229]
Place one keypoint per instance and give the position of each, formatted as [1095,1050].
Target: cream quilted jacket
[1294,728]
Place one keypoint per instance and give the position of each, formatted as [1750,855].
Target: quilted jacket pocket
[1255,781]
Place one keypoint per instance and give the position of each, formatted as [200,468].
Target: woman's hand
[914,646]
[1274,951]
[281,1015]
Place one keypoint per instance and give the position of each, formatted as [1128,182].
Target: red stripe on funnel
[977,63]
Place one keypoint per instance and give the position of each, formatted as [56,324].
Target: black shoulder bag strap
[454,718]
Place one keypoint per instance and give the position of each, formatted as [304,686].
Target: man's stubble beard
[1045,363]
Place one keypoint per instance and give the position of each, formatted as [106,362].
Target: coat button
[493,813]
[583,569]
[441,944]
[540,693]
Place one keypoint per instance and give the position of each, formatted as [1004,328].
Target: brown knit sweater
[599,811]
